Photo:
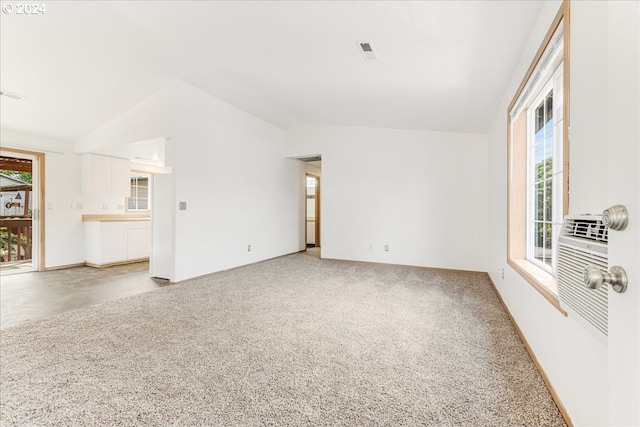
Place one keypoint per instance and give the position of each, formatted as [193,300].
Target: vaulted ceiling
[443,65]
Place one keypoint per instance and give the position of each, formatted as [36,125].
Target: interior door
[312,211]
[623,188]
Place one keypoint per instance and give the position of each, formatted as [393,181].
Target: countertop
[117,217]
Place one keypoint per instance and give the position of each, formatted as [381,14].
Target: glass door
[18,202]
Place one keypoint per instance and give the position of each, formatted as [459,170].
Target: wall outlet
[370,247]
[249,248]
[105,206]
[120,207]
[183,206]
[50,206]
[79,206]
[386,248]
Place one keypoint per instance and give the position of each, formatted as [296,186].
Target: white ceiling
[443,66]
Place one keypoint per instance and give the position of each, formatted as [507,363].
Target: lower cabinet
[115,242]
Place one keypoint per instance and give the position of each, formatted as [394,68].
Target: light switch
[183,206]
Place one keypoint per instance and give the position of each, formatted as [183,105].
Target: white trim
[552,84]
[552,56]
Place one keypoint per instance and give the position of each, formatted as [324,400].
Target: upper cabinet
[105,176]
[120,177]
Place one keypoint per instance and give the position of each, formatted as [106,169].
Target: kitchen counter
[116,239]
[116,217]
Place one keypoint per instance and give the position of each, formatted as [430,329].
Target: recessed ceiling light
[11,95]
[366,48]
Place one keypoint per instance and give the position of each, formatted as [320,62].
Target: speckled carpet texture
[292,341]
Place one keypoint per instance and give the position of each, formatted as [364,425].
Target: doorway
[312,211]
[20,198]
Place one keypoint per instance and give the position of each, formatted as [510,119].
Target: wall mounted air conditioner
[583,241]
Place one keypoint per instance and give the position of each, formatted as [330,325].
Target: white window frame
[553,85]
[134,197]
[549,59]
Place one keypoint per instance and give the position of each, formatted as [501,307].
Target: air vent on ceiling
[366,48]
[10,95]
[310,159]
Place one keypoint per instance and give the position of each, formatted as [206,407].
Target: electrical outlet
[79,206]
[183,206]
[50,206]
[386,248]
[370,247]
[120,207]
[249,248]
[105,206]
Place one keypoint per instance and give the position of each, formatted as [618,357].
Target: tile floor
[36,295]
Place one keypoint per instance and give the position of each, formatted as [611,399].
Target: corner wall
[421,193]
[230,169]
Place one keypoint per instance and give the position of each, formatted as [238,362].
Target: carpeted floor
[291,341]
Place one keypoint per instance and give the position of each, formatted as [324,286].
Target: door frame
[37,215]
[317,212]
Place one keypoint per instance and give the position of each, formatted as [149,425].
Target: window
[139,200]
[545,175]
[537,161]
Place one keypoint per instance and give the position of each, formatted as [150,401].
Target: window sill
[542,281]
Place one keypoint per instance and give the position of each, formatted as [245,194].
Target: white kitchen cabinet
[120,177]
[138,242]
[105,176]
[111,241]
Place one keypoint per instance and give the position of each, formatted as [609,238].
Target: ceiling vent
[10,95]
[366,48]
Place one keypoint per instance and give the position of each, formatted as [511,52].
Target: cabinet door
[96,175]
[138,243]
[114,243]
[120,173]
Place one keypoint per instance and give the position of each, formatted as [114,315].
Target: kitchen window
[140,194]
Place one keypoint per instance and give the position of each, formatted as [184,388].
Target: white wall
[240,190]
[151,118]
[575,362]
[421,193]
[63,226]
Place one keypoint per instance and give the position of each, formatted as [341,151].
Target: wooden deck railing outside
[21,229]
